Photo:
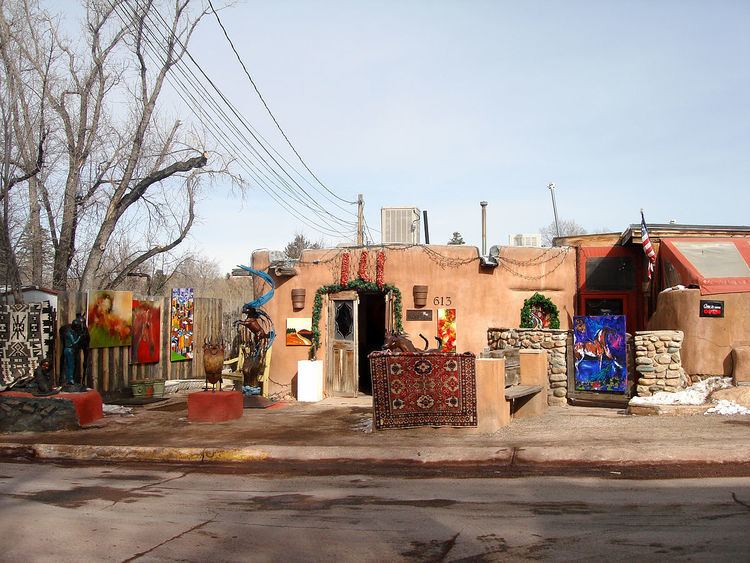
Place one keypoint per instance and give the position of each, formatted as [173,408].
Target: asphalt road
[118,513]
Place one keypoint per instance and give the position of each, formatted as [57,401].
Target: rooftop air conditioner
[399,225]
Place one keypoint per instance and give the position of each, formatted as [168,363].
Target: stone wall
[553,341]
[658,364]
[27,414]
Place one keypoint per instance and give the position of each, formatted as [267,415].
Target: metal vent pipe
[484,227]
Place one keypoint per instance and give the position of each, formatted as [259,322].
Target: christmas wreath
[539,302]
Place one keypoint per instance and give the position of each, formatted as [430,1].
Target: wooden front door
[342,375]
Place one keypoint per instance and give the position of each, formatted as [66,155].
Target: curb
[60,452]
[498,457]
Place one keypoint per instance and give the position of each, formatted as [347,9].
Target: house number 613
[442,301]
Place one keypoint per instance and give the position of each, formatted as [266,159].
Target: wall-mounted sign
[712,308]
[418,315]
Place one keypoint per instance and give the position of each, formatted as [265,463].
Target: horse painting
[599,353]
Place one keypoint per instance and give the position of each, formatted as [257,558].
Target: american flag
[647,246]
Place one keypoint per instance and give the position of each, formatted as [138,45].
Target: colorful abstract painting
[446,330]
[146,332]
[299,332]
[599,351]
[181,324]
[110,317]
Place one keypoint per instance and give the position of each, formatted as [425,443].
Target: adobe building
[418,283]
[591,275]
[700,286]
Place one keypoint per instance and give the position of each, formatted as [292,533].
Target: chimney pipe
[484,227]
[426,228]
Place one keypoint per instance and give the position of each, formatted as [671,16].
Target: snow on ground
[109,410]
[727,408]
[696,394]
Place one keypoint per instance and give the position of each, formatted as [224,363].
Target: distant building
[399,225]
[525,240]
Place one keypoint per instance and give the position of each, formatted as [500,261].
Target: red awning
[716,265]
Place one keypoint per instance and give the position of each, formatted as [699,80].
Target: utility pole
[360,220]
[554,207]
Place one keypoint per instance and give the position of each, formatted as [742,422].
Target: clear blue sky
[622,104]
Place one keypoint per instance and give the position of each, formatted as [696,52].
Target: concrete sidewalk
[339,430]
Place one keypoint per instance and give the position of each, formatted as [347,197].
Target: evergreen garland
[544,304]
[359,285]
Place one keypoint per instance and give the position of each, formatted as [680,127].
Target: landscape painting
[110,317]
[299,332]
[599,351]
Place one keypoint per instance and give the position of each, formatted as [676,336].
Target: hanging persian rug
[181,324]
[146,332]
[26,336]
[411,390]
[599,351]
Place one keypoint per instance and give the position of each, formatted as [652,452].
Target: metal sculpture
[213,362]
[400,343]
[75,340]
[254,335]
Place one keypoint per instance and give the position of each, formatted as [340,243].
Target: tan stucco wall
[708,342]
[483,297]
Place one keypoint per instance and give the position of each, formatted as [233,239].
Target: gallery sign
[712,308]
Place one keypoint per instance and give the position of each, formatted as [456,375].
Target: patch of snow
[121,410]
[694,395]
[364,425]
[678,287]
[725,407]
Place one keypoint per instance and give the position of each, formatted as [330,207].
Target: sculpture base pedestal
[214,406]
[88,405]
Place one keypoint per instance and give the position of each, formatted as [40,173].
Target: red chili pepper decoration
[344,269]
[363,267]
[380,269]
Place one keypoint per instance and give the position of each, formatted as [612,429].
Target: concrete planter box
[147,388]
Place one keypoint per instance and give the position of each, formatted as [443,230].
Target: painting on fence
[447,329]
[299,332]
[181,326]
[146,332]
[110,317]
[599,351]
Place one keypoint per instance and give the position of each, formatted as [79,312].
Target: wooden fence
[110,368]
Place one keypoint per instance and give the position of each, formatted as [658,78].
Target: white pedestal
[310,380]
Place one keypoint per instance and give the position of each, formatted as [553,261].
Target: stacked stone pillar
[658,364]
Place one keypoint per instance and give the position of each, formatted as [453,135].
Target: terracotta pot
[298,299]
[420,295]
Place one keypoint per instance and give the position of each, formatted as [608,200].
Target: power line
[268,109]
[204,117]
[199,109]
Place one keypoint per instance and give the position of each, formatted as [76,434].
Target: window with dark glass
[344,321]
[610,273]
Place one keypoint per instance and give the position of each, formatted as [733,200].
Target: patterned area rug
[26,336]
[412,390]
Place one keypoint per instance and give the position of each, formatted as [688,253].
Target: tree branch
[140,188]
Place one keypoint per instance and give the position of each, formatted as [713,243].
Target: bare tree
[568,227]
[113,168]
